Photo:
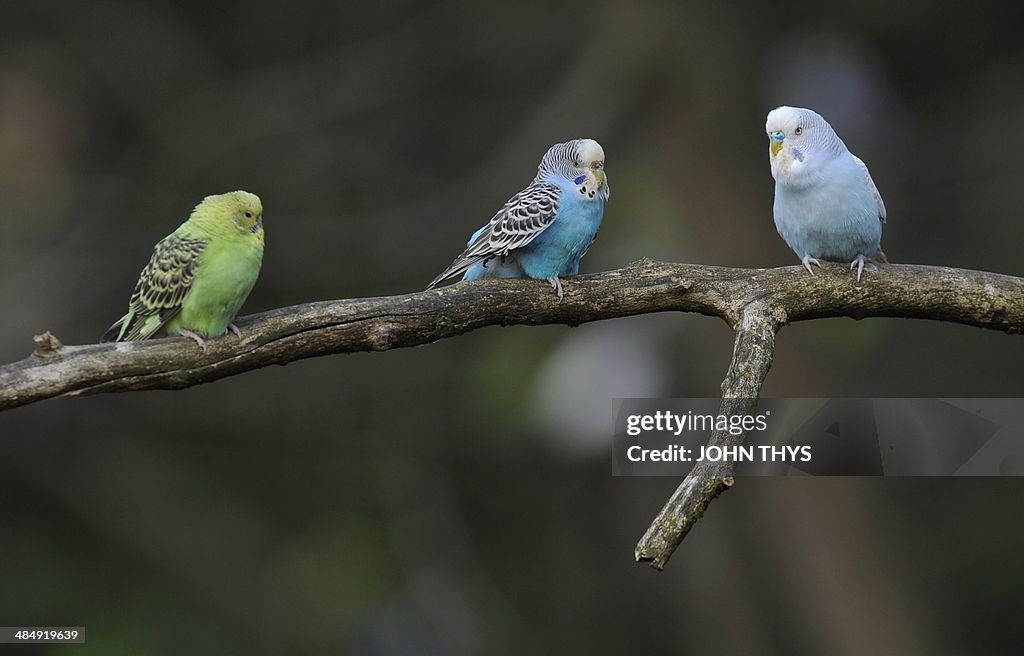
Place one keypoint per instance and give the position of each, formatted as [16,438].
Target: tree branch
[756,303]
[751,359]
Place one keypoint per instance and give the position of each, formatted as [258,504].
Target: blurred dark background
[456,498]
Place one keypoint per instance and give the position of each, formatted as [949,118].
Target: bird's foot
[859,263]
[233,328]
[557,284]
[196,338]
[807,261]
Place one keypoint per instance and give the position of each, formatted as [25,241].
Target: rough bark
[756,303]
[751,358]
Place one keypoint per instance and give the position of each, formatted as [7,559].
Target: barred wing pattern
[161,289]
[524,216]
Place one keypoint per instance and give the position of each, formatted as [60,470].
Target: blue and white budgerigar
[544,230]
[826,204]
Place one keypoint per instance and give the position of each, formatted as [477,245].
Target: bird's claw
[557,284]
[859,263]
[196,338]
[807,261]
[233,328]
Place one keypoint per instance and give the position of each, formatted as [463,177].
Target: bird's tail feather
[114,332]
[433,283]
[133,328]
[459,266]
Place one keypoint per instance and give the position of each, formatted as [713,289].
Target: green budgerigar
[200,274]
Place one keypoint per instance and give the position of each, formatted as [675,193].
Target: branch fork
[755,303]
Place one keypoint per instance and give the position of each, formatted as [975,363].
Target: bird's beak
[775,144]
[600,177]
[256,227]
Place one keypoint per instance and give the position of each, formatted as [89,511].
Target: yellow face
[251,219]
[246,210]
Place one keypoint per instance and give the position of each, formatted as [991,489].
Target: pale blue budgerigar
[826,204]
[544,230]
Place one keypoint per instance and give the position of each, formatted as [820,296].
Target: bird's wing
[586,249]
[524,216]
[871,185]
[161,289]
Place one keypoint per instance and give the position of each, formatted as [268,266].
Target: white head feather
[801,140]
[591,154]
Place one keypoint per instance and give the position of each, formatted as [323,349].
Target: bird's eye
[248,215]
[576,163]
[799,130]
